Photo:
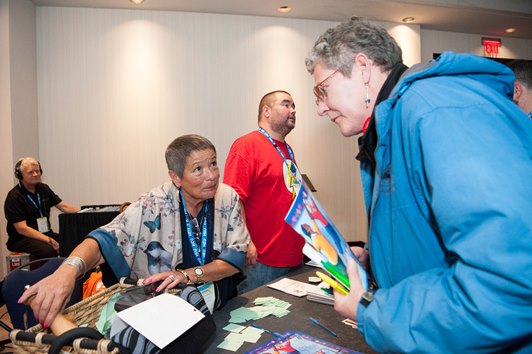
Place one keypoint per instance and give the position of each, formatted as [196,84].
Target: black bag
[195,340]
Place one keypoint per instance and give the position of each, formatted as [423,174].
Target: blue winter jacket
[450,207]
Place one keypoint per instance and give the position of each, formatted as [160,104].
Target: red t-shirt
[254,168]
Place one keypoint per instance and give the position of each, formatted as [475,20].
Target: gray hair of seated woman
[180,149]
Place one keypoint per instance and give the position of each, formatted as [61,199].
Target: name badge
[42,224]
[209,295]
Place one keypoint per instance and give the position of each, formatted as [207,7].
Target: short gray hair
[180,149]
[337,47]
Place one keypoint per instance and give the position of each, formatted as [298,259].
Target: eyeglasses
[319,91]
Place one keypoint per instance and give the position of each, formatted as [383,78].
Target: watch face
[198,271]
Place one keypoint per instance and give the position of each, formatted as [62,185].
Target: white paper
[162,319]
[292,287]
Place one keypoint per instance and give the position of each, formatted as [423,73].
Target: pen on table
[267,330]
[318,323]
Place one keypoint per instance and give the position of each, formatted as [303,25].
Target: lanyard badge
[199,253]
[292,177]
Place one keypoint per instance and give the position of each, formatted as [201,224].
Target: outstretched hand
[346,305]
[48,297]
[166,280]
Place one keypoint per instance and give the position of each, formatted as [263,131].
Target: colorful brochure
[297,342]
[324,244]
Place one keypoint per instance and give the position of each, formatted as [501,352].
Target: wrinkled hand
[251,254]
[169,280]
[346,305]
[50,295]
[363,256]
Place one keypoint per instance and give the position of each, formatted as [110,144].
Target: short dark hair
[266,99]
[523,71]
[180,149]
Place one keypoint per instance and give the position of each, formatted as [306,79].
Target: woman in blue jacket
[446,161]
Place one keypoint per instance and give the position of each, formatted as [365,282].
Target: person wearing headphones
[27,210]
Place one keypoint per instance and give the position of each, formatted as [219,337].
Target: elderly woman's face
[200,176]
[343,101]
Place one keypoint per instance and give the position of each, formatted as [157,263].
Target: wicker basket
[84,313]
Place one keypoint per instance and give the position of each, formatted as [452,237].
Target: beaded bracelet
[77,263]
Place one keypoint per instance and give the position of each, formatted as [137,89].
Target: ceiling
[486,17]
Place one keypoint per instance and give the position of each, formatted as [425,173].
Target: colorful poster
[297,342]
[324,244]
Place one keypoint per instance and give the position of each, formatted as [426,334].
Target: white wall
[6,158]
[116,86]
[18,95]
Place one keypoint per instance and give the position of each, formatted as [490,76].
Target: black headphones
[18,172]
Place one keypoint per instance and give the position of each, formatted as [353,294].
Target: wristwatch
[367,298]
[199,275]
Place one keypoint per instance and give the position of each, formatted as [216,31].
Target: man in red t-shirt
[262,169]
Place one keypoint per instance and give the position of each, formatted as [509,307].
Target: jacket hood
[497,75]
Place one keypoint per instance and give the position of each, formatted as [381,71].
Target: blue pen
[318,323]
[279,335]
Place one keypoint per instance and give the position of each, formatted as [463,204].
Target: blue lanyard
[199,254]
[38,207]
[292,162]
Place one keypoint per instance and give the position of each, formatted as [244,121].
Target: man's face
[283,114]
[31,173]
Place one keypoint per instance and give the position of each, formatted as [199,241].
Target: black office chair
[13,287]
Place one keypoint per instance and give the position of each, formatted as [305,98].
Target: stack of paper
[321,296]
[292,287]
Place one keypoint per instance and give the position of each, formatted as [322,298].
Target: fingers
[45,305]
[346,305]
[251,255]
[251,260]
[352,273]
[169,280]
[49,309]
[358,251]
[28,293]
[362,254]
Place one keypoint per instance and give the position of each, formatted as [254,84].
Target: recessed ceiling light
[408,19]
[510,30]
[284,9]
[137,2]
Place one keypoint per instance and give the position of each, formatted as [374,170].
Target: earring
[367,100]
